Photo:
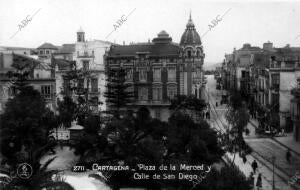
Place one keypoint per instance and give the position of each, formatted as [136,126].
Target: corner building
[161,69]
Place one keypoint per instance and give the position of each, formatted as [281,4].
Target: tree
[191,142]
[117,95]
[24,124]
[190,105]
[67,111]
[41,177]
[237,117]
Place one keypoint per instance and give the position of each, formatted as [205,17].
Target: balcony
[152,103]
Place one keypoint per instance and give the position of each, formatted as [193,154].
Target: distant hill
[211,66]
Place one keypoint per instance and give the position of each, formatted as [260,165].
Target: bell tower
[80,35]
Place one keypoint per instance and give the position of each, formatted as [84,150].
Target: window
[129,75]
[189,53]
[143,93]
[275,81]
[157,93]
[85,65]
[94,84]
[172,74]
[143,74]
[12,91]
[80,85]
[46,91]
[157,75]
[47,52]
[41,52]
[66,86]
[171,92]
[198,53]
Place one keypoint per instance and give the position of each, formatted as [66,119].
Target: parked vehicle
[61,133]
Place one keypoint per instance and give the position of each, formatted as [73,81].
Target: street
[263,148]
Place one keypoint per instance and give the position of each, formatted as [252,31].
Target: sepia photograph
[149,95]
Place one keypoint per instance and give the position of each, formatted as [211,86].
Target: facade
[284,73]
[269,80]
[161,69]
[86,57]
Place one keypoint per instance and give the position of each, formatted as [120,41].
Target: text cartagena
[109,168]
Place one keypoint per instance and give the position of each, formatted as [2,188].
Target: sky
[57,21]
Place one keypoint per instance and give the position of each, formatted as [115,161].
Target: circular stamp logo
[24,171]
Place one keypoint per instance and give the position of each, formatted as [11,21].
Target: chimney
[123,43]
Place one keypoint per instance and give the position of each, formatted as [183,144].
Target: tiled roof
[154,49]
[47,46]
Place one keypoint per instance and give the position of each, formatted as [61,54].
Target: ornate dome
[190,35]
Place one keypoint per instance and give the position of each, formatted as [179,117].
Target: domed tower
[192,57]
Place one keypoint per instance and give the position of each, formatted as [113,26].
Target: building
[284,75]
[45,52]
[40,77]
[88,59]
[161,69]
[18,50]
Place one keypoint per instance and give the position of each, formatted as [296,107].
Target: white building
[88,56]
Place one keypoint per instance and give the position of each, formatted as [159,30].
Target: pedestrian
[259,182]
[254,166]
[251,180]
[288,156]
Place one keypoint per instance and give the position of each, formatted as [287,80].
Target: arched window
[198,53]
[189,53]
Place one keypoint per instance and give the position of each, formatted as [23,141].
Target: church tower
[80,35]
[192,57]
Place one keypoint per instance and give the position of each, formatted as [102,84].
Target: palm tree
[41,178]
